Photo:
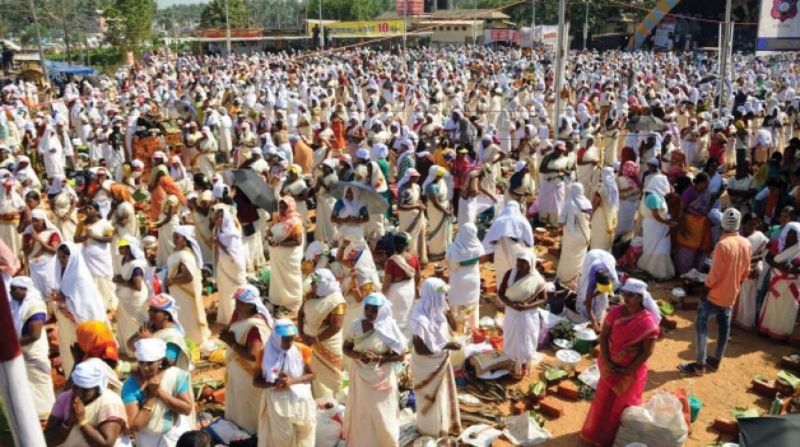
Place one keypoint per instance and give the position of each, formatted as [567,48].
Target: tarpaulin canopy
[56,68]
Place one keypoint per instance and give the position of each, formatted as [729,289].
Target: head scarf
[639,287]
[434,174]
[88,375]
[55,185]
[791,226]
[630,171]
[150,349]
[731,219]
[315,249]
[40,214]
[166,303]
[527,255]
[612,190]
[326,283]
[276,360]
[290,218]
[596,261]
[576,203]
[466,245]
[230,235]
[187,232]
[659,184]
[385,325]
[379,152]
[511,224]
[250,295]
[352,208]
[32,296]
[78,287]
[96,340]
[410,172]
[427,318]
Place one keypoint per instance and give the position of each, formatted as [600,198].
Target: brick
[568,390]
[519,407]
[551,407]
[726,426]
[764,388]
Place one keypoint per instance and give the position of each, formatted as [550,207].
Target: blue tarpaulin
[57,68]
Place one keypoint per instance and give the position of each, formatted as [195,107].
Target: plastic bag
[657,423]
[590,376]
[329,424]
[524,430]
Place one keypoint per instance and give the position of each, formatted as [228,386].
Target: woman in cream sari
[350,214]
[230,261]
[553,170]
[463,264]
[574,220]
[162,323]
[11,205]
[630,196]
[320,320]
[522,290]
[324,229]
[185,284]
[411,213]
[438,191]
[374,344]
[169,219]
[157,397]
[245,337]
[62,202]
[509,232]
[286,254]
[604,217]
[360,277]
[39,242]
[288,413]
[75,298]
[656,257]
[29,312]
[96,234]
[434,382]
[202,216]
[126,227]
[780,307]
[131,290]
[401,277]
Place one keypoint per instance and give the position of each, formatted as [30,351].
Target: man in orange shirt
[730,266]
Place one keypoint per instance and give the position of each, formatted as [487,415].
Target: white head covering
[595,261]
[88,375]
[379,152]
[315,249]
[385,325]
[658,183]
[731,219]
[276,360]
[612,190]
[150,349]
[576,203]
[528,256]
[791,226]
[250,295]
[466,245]
[19,309]
[40,214]
[639,287]
[230,235]
[187,232]
[78,287]
[352,208]
[510,223]
[432,175]
[326,283]
[427,318]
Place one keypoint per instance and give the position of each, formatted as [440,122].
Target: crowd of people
[123,204]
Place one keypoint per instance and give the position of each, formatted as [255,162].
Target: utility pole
[227,30]
[559,64]
[724,55]
[321,29]
[66,33]
[474,16]
[38,38]
[586,25]
[533,24]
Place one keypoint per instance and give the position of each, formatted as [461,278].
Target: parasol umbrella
[255,188]
[769,430]
[647,123]
[375,202]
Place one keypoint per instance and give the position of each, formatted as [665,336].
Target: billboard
[366,28]
[778,26]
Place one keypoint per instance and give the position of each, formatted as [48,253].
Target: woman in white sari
[75,298]
[245,337]
[230,256]
[29,312]
[522,290]
[779,310]
[554,168]
[157,397]
[185,284]
[360,277]
[411,213]
[96,235]
[434,382]
[324,229]
[350,214]
[656,256]
[463,264]
[746,307]
[630,197]
[574,220]
[509,231]
[287,417]
[439,192]
[604,217]
[167,221]
[286,237]
[320,321]
[40,240]
[126,226]
[401,277]
[131,290]
[11,205]
[63,202]
[592,299]
[374,344]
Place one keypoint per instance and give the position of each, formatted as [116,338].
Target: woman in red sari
[626,342]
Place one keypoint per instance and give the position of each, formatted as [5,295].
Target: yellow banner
[367,28]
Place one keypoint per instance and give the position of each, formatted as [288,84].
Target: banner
[367,28]
[510,36]
[778,26]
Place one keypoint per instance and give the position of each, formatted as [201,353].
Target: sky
[165,3]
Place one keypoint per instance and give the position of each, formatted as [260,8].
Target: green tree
[214,15]
[130,23]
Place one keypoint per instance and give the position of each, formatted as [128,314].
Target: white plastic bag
[524,431]
[590,376]
[329,425]
[657,423]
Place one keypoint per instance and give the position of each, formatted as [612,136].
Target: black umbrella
[777,431]
[252,185]
[373,200]
[646,123]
